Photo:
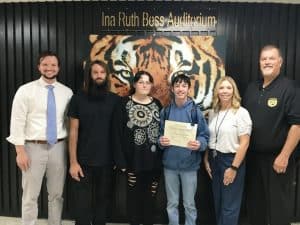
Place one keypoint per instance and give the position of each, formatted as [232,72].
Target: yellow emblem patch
[272,102]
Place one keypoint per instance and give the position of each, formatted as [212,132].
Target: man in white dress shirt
[36,156]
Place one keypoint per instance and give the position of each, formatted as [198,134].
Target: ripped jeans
[142,188]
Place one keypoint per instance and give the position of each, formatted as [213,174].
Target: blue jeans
[227,199]
[189,185]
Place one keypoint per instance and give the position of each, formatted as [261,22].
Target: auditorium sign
[136,18]
[171,22]
[164,39]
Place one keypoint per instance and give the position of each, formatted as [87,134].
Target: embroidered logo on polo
[272,102]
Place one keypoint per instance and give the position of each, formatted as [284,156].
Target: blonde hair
[236,98]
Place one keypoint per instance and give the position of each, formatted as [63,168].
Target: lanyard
[217,128]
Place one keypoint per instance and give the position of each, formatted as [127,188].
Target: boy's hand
[194,145]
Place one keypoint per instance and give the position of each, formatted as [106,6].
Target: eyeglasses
[144,83]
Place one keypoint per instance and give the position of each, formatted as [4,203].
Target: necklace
[217,128]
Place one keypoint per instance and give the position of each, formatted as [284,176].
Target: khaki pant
[50,161]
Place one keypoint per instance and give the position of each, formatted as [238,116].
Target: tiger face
[163,57]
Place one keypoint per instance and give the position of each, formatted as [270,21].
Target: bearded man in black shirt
[94,144]
[273,104]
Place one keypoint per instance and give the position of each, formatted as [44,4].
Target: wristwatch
[234,168]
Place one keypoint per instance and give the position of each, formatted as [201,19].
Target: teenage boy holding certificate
[182,162]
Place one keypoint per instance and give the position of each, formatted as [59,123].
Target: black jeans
[91,195]
[142,189]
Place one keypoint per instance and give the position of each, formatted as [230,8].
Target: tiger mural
[163,57]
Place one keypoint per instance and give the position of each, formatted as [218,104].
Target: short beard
[98,90]
[49,78]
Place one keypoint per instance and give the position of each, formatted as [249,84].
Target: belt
[42,141]
[216,152]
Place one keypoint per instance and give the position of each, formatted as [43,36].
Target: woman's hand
[164,141]
[207,165]
[229,176]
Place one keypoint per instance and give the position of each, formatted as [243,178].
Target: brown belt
[42,141]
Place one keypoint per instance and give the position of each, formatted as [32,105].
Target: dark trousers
[268,193]
[227,199]
[91,195]
[142,189]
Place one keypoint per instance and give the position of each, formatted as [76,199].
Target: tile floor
[17,221]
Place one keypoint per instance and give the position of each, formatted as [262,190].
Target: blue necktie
[51,131]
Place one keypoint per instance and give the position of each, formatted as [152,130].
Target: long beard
[98,91]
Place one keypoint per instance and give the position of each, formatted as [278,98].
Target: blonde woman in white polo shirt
[230,127]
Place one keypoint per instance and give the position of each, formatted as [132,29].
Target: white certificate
[180,133]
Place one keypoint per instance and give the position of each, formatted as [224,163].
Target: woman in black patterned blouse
[141,149]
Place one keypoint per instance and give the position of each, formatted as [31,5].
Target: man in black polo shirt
[94,145]
[273,104]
